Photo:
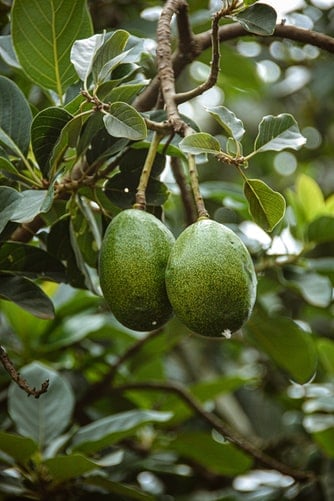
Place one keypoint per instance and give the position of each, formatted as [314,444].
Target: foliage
[165,414]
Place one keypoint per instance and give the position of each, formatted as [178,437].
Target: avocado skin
[132,264]
[210,279]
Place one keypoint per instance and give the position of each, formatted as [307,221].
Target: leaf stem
[146,172]
[194,182]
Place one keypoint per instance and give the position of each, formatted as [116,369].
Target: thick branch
[216,423]
[202,42]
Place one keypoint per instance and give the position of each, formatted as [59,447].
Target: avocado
[210,279]
[132,264]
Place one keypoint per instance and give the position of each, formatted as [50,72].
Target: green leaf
[125,92]
[199,143]
[19,448]
[278,133]
[27,295]
[106,431]
[29,204]
[266,206]
[45,131]
[220,458]
[326,354]
[7,51]
[259,19]
[314,288]
[63,468]
[15,118]
[8,203]
[43,32]
[310,197]
[120,491]
[30,261]
[82,54]
[232,125]
[45,418]
[321,230]
[291,348]
[123,120]
[87,231]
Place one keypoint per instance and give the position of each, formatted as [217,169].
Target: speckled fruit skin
[132,264]
[210,279]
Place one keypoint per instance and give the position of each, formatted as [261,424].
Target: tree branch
[202,41]
[18,379]
[220,426]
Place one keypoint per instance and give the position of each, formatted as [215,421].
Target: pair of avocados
[206,277]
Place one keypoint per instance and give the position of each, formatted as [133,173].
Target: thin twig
[18,379]
[219,425]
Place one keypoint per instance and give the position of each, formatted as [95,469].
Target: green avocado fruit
[132,264]
[210,279]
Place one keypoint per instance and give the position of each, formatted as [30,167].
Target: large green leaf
[220,458]
[45,131]
[291,348]
[123,120]
[259,19]
[63,468]
[15,118]
[19,448]
[8,202]
[30,261]
[277,133]
[266,206]
[23,206]
[27,295]
[45,418]
[109,430]
[43,34]
[199,143]
[326,354]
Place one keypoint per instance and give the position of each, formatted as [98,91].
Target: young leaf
[310,197]
[199,143]
[266,206]
[124,121]
[285,342]
[43,32]
[45,418]
[278,133]
[15,117]
[228,120]
[82,54]
[112,47]
[27,295]
[259,19]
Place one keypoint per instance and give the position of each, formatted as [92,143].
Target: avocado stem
[202,213]
[140,202]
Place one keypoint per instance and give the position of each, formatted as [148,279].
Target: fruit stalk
[202,213]
[140,202]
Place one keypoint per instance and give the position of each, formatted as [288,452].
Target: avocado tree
[176,114]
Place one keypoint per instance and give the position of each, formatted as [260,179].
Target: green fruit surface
[133,259]
[210,279]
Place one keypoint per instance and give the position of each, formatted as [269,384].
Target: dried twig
[18,379]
